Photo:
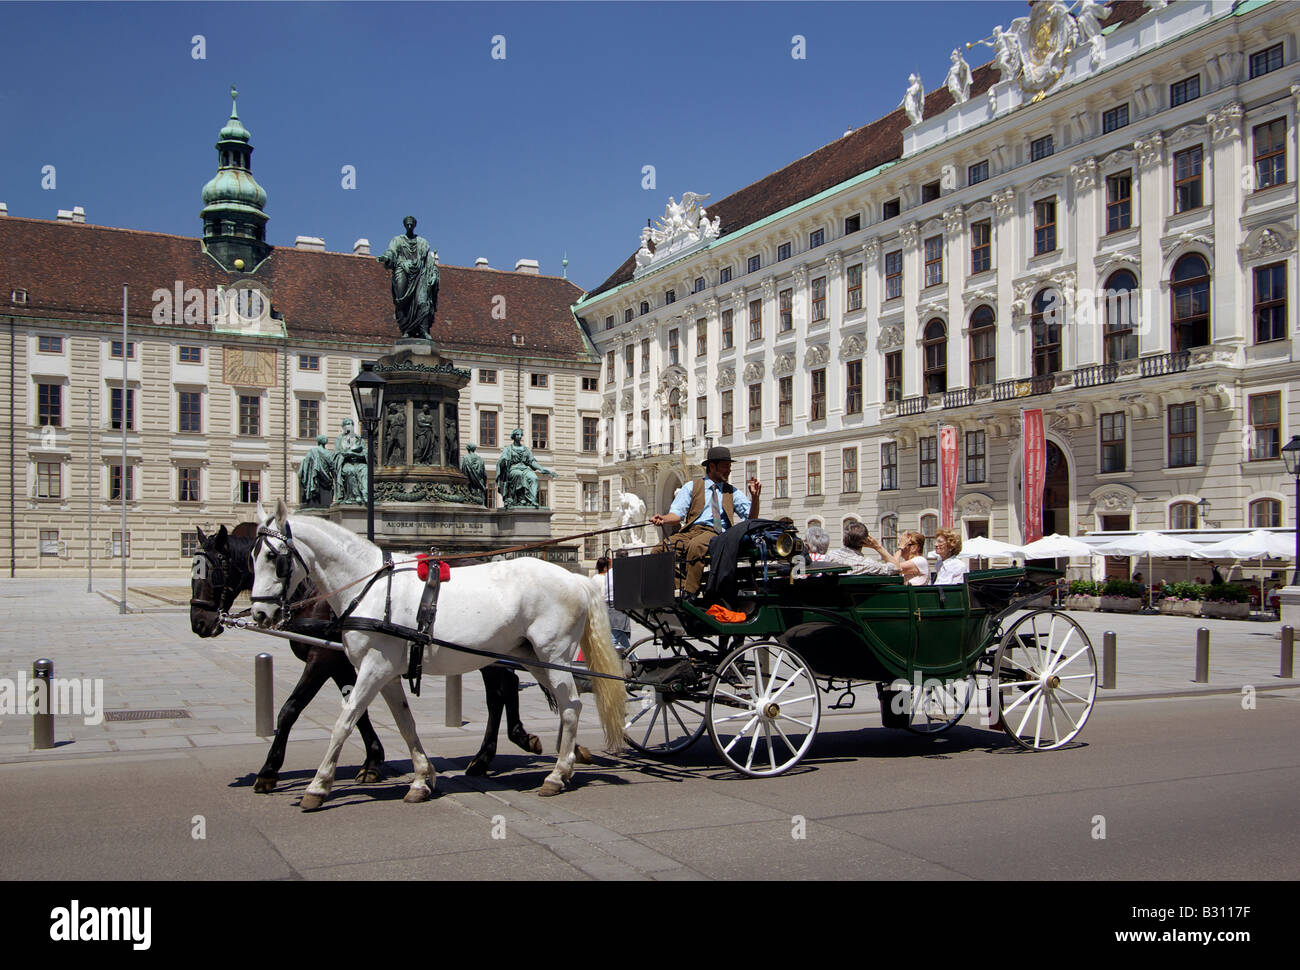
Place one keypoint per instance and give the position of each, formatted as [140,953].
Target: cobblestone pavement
[150,660]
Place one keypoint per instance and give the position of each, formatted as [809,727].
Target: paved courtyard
[150,660]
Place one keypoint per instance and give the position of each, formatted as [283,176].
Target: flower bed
[1174,606]
[1225,611]
[1078,601]
[1120,604]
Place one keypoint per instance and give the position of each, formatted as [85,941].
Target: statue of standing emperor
[415,281]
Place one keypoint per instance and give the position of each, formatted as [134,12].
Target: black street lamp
[1291,458]
[368,398]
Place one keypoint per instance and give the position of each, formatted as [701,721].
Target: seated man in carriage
[707,507]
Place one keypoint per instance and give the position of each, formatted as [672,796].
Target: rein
[299,604]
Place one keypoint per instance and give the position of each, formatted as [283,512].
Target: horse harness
[419,637]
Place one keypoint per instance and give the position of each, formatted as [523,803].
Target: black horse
[227,571]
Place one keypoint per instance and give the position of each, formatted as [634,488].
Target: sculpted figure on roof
[914,100]
[415,280]
[958,80]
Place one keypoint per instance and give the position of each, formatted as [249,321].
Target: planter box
[1120,604]
[1080,601]
[1225,611]
[1181,607]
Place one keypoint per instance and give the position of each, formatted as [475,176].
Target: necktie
[717,513]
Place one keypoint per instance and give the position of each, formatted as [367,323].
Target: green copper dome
[234,223]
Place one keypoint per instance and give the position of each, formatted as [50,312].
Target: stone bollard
[1108,660]
[1202,655]
[1288,653]
[264,714]
[43,717]
[452,700]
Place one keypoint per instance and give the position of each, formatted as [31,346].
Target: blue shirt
[682,503]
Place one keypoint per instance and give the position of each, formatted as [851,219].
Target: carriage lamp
[1291,458]
[1203,509]
[368,398]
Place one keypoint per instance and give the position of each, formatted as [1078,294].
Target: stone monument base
[454,529]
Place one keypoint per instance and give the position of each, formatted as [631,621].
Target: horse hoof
[417,795]
[477,767]
[311,802]
[369,776]
[534,744]
[550,788]
[582,754]
[265,784]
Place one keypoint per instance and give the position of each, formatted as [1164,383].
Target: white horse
[523,608]
[633,510]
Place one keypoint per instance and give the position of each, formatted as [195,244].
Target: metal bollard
[452,701]
[1288,653]
[43,718]
[1108,660]
[1202,655]
[262,695]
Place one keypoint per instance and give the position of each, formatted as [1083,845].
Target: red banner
[947,474]
[1035,474]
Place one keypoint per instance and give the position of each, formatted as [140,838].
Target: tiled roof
[869,147]
[76,271]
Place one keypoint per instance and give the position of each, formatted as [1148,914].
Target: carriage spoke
[645,741]
[793,750]
[1008,659]
[752,722]
[1027,695]
[639,714]
[1069,717]
[1081,700]
[771,752]
[796,700]
[796,720]
[1056,655]
[732,717]
[1082,650]
[1029,710]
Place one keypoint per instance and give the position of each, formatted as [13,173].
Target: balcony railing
[1160,364]
[959,398]
[1095,375]
[911,405]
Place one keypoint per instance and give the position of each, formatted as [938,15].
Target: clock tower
[234,220]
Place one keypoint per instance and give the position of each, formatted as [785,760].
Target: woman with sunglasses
[909,559]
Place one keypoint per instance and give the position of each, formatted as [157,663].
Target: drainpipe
[126,356]
[13,548]
[284,425]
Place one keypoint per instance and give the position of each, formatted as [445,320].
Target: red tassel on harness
[422,568]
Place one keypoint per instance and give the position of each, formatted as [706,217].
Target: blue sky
[529,156]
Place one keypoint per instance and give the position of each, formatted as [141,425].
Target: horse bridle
[212,569]
[284,558]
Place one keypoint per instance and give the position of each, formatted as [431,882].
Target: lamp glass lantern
[1291,456]
[368,394]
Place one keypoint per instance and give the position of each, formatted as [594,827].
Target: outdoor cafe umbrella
[982,547]
[1056,546]
[1149,544]
[1260,544]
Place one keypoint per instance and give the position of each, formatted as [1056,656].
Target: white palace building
[1101,223]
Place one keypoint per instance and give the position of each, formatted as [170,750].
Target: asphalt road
[1180,788]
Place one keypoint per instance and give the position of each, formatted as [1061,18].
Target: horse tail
[602,658]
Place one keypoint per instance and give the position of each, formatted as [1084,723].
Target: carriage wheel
[659,721]
[940,704]
[764,708]
[1044,680]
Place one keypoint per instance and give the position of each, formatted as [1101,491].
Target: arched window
[936,357]
[1182,515]
[1121,314]
[889,532]
[1045,323]
[983,344]
[1265,513]
[929,526]
[1191,296]
[645,307]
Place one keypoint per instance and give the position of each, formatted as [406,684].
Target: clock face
[248,368]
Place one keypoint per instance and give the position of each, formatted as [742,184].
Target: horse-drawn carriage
[753,675]
[933,651]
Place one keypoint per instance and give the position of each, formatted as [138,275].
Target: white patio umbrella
[1260,544]
[1056,546]
[1149,544]
[982,547]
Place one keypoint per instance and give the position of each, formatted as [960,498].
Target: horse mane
[352,545]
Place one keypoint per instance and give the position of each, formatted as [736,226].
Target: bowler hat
[717,454]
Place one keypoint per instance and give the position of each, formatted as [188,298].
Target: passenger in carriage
[855,537]
[952,570]
[817,542]
[707,507]
[909,559]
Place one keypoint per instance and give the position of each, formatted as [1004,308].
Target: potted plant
[1085,594]
[1121,596]
[1227,601]
[1183,599]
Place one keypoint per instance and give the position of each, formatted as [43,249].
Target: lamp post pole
[1291,459]
[368,399]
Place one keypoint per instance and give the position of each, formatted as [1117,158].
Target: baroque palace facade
[1101,223]
[225,391]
